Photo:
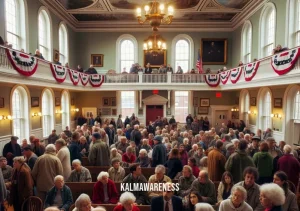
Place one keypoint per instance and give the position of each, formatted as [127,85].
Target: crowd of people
[254,173]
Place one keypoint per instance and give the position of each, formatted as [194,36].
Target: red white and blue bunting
[224,76]
[212,80]
[84,78]
[283,62]
[74,76]
[23,63]
[59,72]
[250,70]
[235,74]
[96,80]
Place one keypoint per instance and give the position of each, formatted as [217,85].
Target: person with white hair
[105,191]
[60,195]
[127,203]
[136,135]
[143,158]
[114,154]
[122,145]
[80,173]
[237,201]
[129,155]
[235,142]
[290,165]
[145,145]
[193,151]
[63,153]
[158,177]
[116,172]
[271,197]
[45,169]
[83,203]
[203,207]
[185,181]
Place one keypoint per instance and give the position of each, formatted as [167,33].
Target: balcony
[265,76]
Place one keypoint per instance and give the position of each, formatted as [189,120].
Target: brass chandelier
[155,14]
[155,44]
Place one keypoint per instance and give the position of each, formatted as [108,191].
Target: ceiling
[119,15]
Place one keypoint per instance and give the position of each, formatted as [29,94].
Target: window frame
[44,12]
[50,110]
[187,108]
[122,94]
[65,107]
[246,51]
[65,54]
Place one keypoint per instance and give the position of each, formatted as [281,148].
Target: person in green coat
[264,163]
[238,161]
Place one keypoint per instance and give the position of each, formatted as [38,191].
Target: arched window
[245,105]
[297,107]
[47,112]
[183,52]
[45,34]
[63,44]
[127,103]
[181,105]
[247,42]
[20,113]
[16,23]
[293,23]
[65,103]
[267,29]
[266,111]
[127,52]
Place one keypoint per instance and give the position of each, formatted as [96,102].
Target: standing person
[136,135]
[120,122]
[6,169]
[45,169]
[159,152]
[99,153]
[74,147]
[30,156]
[173,164]
[216,162]
[52,137]
[37,147]
[3,191]
[205,125]
[64,156]
[11,150]
[189,120]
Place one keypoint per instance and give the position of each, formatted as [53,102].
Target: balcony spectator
[148,69]
[193,71]
[279,49]
[208,71]
[57,62]
[91,70]
[133,69]
[240,63]
[162,69]
[124,71]
[169,69]
[255,60]
[179,70]
[38,54]
[79,69]
[67,65]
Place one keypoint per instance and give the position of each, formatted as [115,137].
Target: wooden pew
[110,207]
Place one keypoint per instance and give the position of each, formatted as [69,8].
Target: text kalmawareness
[161,187]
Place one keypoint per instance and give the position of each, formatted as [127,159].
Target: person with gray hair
[83,203]
[127,202]
[158,177]
[143,158]
[51,209]
[237,201]
[203,207]
[129,155]
[80,173]
[290,165]
[45,169]
[272,197]
[185,181]
[63,153]
[136,135]
[116,172]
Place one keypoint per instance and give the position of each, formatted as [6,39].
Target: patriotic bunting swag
[74,76]
[96,80]
[235,74]
[212,80]
[283,62]
[250,70]
[84,78]
[225,76]
[59,72]
[23,63]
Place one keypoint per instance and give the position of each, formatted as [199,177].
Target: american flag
[199,64]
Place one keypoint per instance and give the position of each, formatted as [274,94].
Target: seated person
[122,145]
[114,154]
[240,63]
[80,173]
[148,69]
[158,177]
[127,203]
[279,49]
[60,195]
[128,156]
[38,54]
[83,202]
[237,200]
[185,181]
[105,191]
[116,172]
[205,187]
[193,71]
[169,68]
[91,70]
[225,186]
[79,69]
[143,158]
[145,145]
[208,71]
[162,69]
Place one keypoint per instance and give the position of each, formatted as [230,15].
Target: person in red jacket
[195,168]
[105,191]
[127,203]
[128,156]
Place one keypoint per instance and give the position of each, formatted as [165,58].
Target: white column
[140,77]
[169,77]
[140,99]
[169,99]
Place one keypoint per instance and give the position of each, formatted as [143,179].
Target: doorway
[152,111]
[221,116]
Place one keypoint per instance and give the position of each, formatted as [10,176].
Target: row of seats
[110,207]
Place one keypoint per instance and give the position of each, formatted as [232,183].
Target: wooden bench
[110,207]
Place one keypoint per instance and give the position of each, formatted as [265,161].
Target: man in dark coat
[136,135]
[100,153]
[11,150]
[74,147]
[159,152]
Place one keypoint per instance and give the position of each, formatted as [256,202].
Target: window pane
[297,106]
[182,55]
[65,110]
[63,45]
[127,54]
[44,35]
[181,105]
[127,103]
[11,23]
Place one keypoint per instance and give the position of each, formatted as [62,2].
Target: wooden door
[152,111]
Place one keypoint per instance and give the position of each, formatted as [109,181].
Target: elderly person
[203,207]
[272,197]
[129,156]
[80,173]
[145,145]
[158,177]
[143,158]
[185,181]
[63,154]
[99,154]
[290,165]
[216,162]
[136,135]
[205,187]
[83,146]
[11,150]
[159,153]
[37,147]
[122,145]
[21,186]
[237,201]
[127,203]
[105,191]
[116,172]
[45,169]
[114,154]
[281,179]
[193,151]
[60,195]
[83,203]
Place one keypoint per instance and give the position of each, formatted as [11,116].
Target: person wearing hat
[11,150]
[37,147]
[99,154]
[159,153]
[6,169]
[229,150]
[30,156]
[254,146]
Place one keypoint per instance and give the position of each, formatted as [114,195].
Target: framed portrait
[1,102]
[114,112]
[155,60]
[55,55]
[195,102]
[168,112]
[57,101]
[106,111]
[214,51]
[97,60]
[113,101]
[203,110]
[277,102]
[88,112]
[140,111]
[204,102]
[72,101]
[35,102]
[105,101]
[253,101]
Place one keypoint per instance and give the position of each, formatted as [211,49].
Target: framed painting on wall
[204,102]
[203,110]
[155,60]
[57,101]
[1,102]
[214,51]
[97,60]
[35,102]
[106,111]
[105,101]
[277,102]
[253,101]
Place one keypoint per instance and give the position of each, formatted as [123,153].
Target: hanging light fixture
[155,44]
[155,14]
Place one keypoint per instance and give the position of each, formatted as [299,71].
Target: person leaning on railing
[279,49]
